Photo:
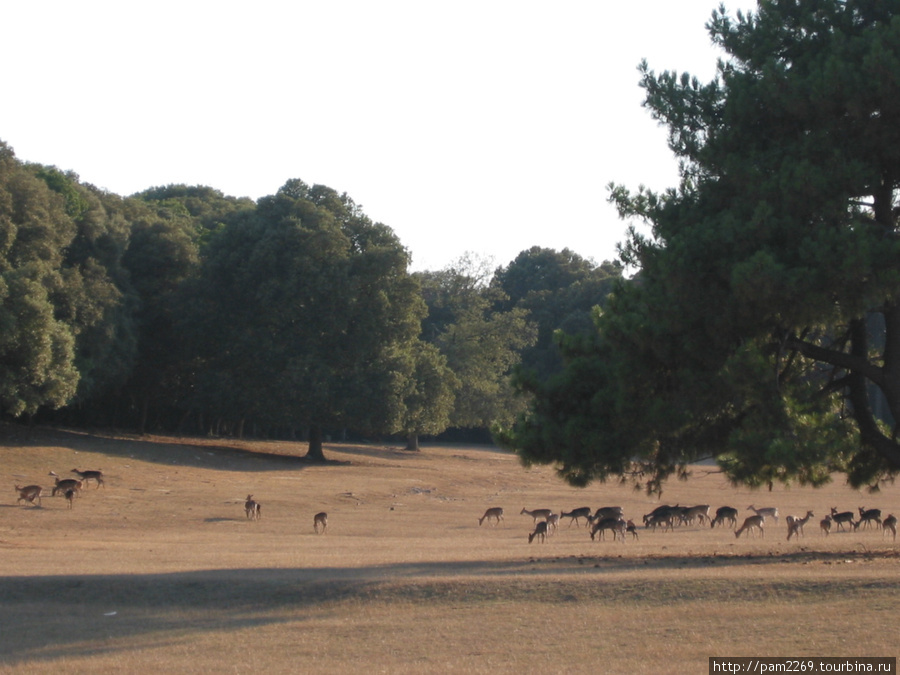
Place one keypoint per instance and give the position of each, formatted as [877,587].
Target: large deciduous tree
[481,340]
[763,325]
[304,315]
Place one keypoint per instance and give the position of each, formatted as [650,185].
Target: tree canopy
[322,315]
[762,327]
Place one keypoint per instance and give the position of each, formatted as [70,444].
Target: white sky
[486,126]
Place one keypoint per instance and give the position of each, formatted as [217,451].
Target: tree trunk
[145,411]
[314,451]
[412,442]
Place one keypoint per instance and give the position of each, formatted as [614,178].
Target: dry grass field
[159,569]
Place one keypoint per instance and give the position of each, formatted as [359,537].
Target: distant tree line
[180,309]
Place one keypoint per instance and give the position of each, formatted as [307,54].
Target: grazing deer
[825,524]
[842,517]
[70,498]
[574,515]
[666,519]
[752,523]
[889,523]
[867,516]
[29,493]
[252,508]
[615,525]
[659,514]
[496,513]
[540,530]
[543,514]
[795,525]
[768,512]
[723,514]
[320,519]
[86,476]
[64,484]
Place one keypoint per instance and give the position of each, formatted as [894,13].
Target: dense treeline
[182,309]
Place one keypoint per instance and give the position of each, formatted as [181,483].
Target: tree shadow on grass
[55,617]
[171,451]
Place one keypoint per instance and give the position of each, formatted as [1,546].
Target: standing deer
[695,512]
[540,530]
[552,522]
[496,513]
[86,476]
[252,508]
[768,512]
[542,514]
[632,528]
[70,498]
[795,525]
[842,517]
[825,524]
[867,516]
[614,525]
[751,523]
[889,523]
[320,519]
[29,493]
[575,514]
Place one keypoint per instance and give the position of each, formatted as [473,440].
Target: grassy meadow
[159,569]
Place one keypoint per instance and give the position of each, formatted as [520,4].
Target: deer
[543,514]
[752,523]
[841,518]
[889,523]
[496,513]
[552,522]
[87,476]
[540,530]
[825,525]
[615,525]
[767,512]
[795,525]
[666,519]
[632,528]
[29,493]
[701,512]
[660,512]
[320,519]
[725,513]
[867,516]
[70,497]
[252,508]
[575,514]
[608,512]
[64,484]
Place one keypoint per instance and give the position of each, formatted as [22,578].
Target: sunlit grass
[161,571]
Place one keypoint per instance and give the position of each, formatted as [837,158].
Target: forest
[184,310]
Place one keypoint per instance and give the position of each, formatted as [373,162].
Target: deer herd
[67,487]
[546,522]
[667,518]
